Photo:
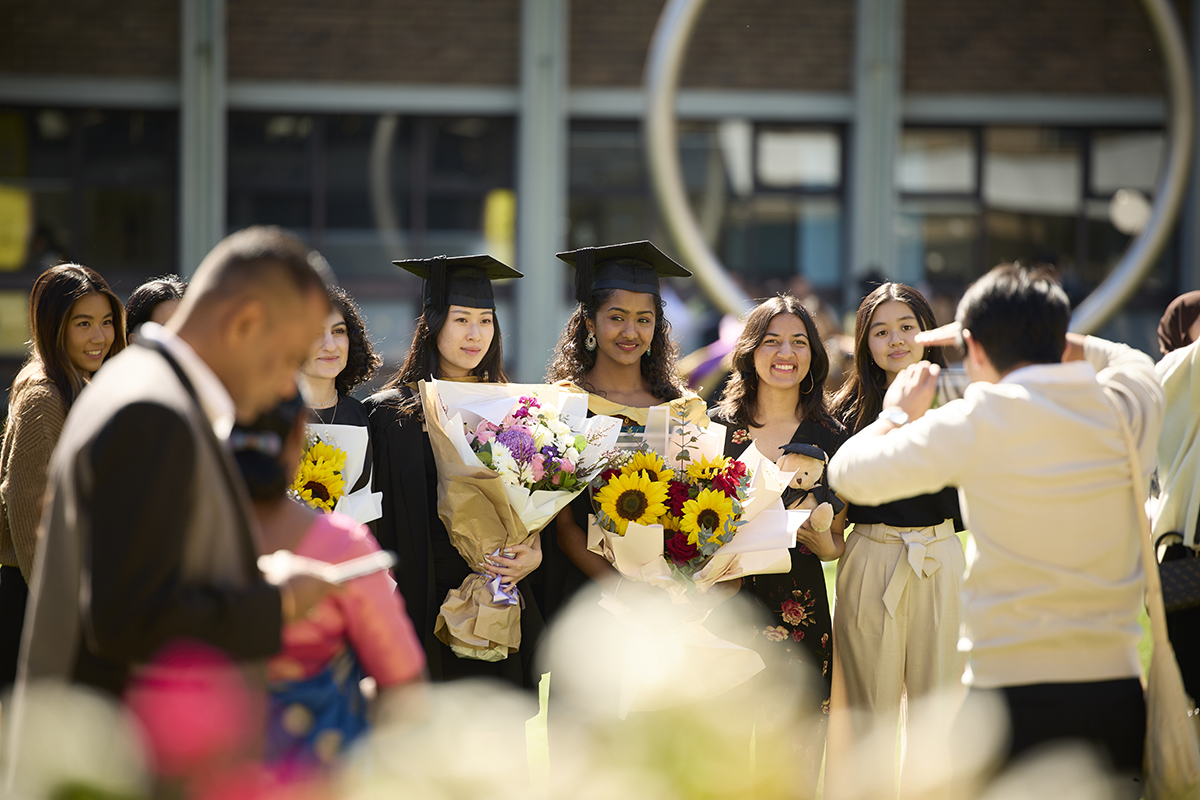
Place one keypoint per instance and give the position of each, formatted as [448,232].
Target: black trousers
[13,594]
[1108,714]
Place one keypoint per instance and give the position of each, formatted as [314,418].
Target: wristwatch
[894,415]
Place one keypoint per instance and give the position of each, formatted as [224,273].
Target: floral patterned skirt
[801,629]
[793,634]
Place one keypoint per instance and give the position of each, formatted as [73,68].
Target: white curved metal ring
[665,60]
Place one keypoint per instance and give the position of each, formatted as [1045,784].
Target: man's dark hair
[1018,314]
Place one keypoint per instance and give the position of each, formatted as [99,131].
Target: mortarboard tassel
[584,275]
[436,283]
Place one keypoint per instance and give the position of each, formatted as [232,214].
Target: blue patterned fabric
[310,722]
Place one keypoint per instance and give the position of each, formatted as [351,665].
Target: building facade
[134,135]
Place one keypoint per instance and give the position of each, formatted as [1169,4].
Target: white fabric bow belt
[916,559]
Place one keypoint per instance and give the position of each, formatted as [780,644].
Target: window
[367,189]
[975,197]
[97,187]
[767,196]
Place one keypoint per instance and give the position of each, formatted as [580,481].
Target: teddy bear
[807,490]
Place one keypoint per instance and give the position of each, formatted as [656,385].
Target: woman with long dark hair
[77,323]
[342,360]
[617,346]
[775,398]
[458,339]
[896,629]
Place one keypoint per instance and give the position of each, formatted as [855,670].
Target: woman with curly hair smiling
[342,360]
[617,346]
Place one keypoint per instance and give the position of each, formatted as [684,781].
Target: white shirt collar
[214,398]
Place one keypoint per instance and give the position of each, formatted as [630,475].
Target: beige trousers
[895,628]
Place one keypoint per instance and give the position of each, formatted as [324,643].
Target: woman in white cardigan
[1179,463]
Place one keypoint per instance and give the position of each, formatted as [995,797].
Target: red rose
[724,482]
[680,549]
[736,469]
[608,474]
[677,495]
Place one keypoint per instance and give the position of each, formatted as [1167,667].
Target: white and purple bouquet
[509,458]
[533,448]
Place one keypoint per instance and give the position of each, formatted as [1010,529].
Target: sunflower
[649,462]
[707,514]
[319,480]
[632,498]
[703,470]
[670,522]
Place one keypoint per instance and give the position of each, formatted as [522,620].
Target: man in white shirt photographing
[1036,449]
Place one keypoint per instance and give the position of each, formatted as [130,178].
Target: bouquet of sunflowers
[680,515]
[319,481]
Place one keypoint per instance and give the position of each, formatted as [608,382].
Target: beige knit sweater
[36,413]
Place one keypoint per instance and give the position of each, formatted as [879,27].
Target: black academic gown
[429,566]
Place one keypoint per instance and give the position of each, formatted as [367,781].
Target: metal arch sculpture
[663,65]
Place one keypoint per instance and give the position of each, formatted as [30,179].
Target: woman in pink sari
[317,705]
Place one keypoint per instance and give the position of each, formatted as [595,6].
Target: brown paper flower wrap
[483,515]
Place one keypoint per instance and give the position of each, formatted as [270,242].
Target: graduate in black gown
[617,346]
[457,338]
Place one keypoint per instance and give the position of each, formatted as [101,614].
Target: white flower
[508,469]
[572,455]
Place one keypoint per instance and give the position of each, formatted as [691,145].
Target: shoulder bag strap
[1154,598]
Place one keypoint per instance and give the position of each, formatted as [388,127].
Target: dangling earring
[811,384]
[647,350]
[590,342]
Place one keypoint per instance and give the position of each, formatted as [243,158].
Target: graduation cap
[458,280]
[633,266]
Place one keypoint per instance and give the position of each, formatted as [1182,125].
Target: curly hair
[572,361]
[739,401]
[860,399]
[362,360]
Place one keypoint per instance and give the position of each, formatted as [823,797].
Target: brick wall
[1064,46]
[395,41]
[1004,46]
[130,38]
[759,44]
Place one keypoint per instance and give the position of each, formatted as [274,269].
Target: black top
[348,411]
[827,434]
[921,511]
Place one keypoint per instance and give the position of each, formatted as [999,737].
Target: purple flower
[550,451]
[519,442]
